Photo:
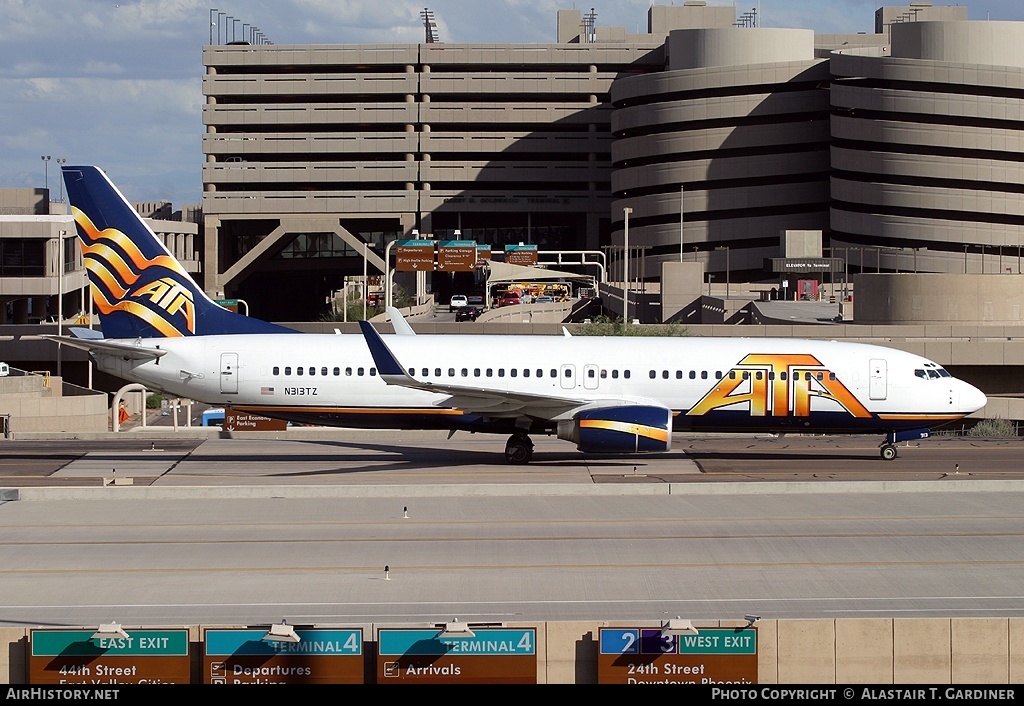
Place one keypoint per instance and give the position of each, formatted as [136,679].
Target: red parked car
[508,299]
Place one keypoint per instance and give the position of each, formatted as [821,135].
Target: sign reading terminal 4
[480,656]
[321,656]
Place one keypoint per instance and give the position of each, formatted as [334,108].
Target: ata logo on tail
[112,258]
[780,386]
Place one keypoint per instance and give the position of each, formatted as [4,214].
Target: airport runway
[250,531]
[155,457]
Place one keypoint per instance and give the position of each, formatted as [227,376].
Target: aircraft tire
[519,450]
[888,452]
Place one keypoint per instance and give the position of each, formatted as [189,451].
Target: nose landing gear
[888,447]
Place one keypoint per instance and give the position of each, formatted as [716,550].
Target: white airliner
[606,395]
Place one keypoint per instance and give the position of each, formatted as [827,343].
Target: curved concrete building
[927,148]
[724,150]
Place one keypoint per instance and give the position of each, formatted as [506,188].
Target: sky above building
[119,84]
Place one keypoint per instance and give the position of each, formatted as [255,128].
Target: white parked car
[457,302]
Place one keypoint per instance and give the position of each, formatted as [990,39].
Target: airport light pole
[60,176]
[625,276]
[681,211]
[46,176]
[726,248]
[60,291]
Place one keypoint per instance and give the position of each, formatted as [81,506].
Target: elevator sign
[644,656]
[136,657]
[321,656]
[489,656]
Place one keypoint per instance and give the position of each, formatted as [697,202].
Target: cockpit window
[933,374]
[921,374]
[943,373]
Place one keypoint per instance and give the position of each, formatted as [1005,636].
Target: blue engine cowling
[630,429]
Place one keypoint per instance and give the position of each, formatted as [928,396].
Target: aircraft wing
[128,351]
[482,400]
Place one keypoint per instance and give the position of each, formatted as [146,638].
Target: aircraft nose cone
[972,399]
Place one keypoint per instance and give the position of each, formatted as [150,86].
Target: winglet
[399,323]
[387,364]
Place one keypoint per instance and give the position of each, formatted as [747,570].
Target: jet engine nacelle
[631,429]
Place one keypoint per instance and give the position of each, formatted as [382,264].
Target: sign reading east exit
[138,657]
[490,656]
[321,656]
[645,656]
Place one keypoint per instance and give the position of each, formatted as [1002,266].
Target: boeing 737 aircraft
[607,395]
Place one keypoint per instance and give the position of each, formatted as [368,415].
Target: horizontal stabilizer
[88,333]
[128,351]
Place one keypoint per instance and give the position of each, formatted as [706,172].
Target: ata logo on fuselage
[778,386]
[172,297]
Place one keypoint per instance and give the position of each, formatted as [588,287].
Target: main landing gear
[518,449]
[888,451]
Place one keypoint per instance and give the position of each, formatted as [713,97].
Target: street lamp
[681,211]
[726,248]
[625,285]
[60,291]
[60,162]
[46,174]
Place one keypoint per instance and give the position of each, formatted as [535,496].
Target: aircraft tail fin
[138,287]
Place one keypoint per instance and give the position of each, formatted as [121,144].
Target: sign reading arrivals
[321,656]
[414,255]
[645,656]
[125,657]
[484,656]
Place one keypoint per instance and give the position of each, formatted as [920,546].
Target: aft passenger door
[877,381]
[229,373]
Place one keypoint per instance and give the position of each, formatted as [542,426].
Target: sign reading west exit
[490,656]
[645,656]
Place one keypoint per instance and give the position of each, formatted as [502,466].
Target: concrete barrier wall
[33,408]
[825,651]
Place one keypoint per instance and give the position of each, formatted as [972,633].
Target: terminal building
[716,135]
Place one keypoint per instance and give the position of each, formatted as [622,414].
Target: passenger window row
[746,375]
[312,371]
